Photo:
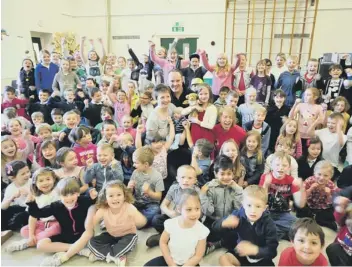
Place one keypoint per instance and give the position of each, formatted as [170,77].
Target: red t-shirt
[236,133]
[280,191]
[288,258]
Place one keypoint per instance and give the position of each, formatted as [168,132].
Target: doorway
[37,47]
[184,47]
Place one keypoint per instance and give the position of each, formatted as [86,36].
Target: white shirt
[331,146]
[349,147]
[45,200]
[183,241]
[12,189]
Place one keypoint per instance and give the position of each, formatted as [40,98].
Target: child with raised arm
[186,179]
[308,241]
[280,188]
[251,233]
[93,63]
[222,71]
[184,238]
[121,220]
[147,183]
[333,140]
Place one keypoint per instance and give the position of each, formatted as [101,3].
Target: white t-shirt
[183,241]
[331,146]
[12,189]
[45,200]
[349,147]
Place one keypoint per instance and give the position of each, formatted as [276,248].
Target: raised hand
[231,222]
[131,184]
[151,44]
[93,193]
[62,136]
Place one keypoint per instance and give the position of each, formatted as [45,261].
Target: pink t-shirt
[84,153]
[307,115]
[121,109]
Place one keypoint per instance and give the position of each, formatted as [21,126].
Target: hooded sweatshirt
[261,233]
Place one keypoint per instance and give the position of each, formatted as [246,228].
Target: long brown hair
[259,147]
[102,202]
[238,167]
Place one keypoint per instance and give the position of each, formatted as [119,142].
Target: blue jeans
[283,222]
[148,210]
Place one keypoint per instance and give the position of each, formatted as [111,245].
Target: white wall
[19,18]
[203,18]
[332,32]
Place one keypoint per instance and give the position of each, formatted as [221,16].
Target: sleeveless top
[121,223]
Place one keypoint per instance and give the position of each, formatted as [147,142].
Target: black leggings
[159,261]
[14,218]
[338,256]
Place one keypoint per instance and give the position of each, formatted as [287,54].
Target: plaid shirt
[319,199]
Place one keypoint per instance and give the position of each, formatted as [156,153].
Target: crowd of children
[92,150]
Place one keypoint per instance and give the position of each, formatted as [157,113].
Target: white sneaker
[54,260]
[17,246]
[85,252]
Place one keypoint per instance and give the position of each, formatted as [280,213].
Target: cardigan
[44,76]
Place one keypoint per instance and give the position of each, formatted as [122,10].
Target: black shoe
[153,241]
[211,246]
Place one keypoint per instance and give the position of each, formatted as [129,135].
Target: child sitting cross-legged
[308,240]
[320,190]
[186,178]
[121,220]
[183,241]
[251,233]
[147,183]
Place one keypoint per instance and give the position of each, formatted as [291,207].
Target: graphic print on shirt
[346,243]
[332,91]
[278,197]
[307,117]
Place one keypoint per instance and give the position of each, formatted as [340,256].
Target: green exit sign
[178,27]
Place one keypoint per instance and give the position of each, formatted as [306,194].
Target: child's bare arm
[171,134]
[299,197]
[198,255]
[139,219]
[165,208]
[164,240]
